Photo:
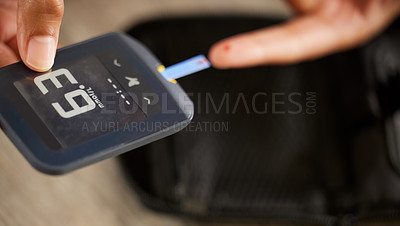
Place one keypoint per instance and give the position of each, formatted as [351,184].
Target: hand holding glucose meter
[103,97]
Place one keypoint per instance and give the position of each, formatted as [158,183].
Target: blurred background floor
[98,194]
[85,19]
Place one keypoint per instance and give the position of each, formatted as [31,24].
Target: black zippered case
[251,154]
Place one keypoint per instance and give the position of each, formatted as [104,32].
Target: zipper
[380,215]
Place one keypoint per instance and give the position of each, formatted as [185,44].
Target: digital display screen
[80,101]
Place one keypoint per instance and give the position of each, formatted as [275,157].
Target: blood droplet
[227,47]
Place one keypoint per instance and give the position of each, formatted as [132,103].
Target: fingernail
[41,52]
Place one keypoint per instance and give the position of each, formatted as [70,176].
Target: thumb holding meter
[38,26]
[29,31]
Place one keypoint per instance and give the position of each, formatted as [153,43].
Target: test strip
[186,67]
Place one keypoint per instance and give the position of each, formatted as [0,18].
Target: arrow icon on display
[116,63]
[148,100]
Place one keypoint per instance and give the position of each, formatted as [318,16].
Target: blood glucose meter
[102,97]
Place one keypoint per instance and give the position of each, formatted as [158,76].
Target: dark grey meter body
[103,97]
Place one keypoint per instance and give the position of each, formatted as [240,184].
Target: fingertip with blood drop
[227,47]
